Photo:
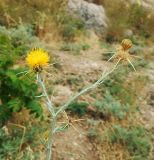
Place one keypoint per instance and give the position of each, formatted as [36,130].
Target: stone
[128,33]
[62,94]
[92,14]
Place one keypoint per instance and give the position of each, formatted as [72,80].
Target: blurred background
[112,122]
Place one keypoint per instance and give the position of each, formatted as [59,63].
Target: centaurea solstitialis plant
[122,53]
[38,59]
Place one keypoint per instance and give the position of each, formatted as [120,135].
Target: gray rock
[128,33]
[93,15]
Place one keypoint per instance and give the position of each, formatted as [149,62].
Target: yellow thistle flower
[37,59]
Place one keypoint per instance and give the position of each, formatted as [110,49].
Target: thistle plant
[122,52]
[38,60]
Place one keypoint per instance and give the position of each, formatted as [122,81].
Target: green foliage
[141,64]
[117,85]
[70,26]
[134,138]
[15,92]
[21,37]
[75,48]
[111,107]
[93,131]
[79,108]
[11,140]
[9,145]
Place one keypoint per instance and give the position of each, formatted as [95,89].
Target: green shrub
[70,25]
[79,108]
[119,86]
[21,37]
[72,47]
[11,140]
[15,92]
[134,138]
[75,48]
[9,145]
[111,107]
[94,129]
[115,85]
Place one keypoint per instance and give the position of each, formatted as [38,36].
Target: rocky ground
[73,144]
[148,108]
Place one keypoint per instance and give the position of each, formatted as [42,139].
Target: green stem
[98,82]
[51,138]
[53,118]
[49,103]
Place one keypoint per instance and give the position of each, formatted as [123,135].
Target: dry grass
[29,10]
[123,16]
[42,14]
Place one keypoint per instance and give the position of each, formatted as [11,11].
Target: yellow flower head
[126,44]
[37,59]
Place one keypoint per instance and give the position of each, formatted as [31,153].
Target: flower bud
[126,44]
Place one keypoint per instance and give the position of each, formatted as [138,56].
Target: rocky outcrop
[92,14]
